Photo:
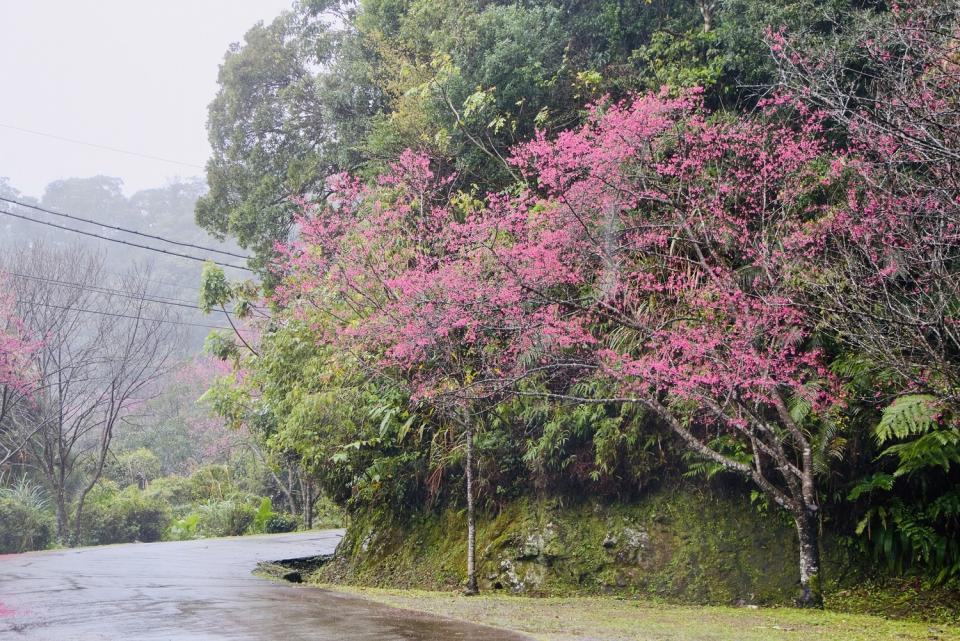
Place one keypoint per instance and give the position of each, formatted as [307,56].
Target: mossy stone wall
[679,543]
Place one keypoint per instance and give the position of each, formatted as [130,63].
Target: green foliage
[175,491]
[908,536]
[279,523]
[270,127]
[211,482]
[185,529]
[910,519]
[134,467]
[215,290]
[693,59]
[909,415]
[919,420]
[264,514]
[869,484]
[23,526]
[123,517]
[308,95]
[225,518]
[26,493]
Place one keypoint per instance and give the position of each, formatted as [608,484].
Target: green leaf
[869,484]
[909,415]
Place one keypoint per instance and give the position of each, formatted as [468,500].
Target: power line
[115,315]
[97,146]
[168,284]
[122,242]
[165,300]
[123,229]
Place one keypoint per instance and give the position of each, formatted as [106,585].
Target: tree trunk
[471,587]
[811,595]
[308,503]
[288,492]
[706,10]
[78,524]
[306,492]
[62,519]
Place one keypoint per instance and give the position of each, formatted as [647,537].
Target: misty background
[105,119]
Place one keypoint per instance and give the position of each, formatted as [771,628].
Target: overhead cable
[123,242]
[116,315]
[53,212]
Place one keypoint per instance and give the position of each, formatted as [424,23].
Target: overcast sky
[131,74]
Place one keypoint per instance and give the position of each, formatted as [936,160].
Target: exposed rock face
[678,543]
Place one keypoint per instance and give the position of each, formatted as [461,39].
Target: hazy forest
[657,299]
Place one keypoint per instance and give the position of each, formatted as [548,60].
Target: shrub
[23,527]
[184,529]
[225,518]
[281,523]
[176,491]
[211,483]
[124,517]
[264,514]
[136,467]
[26,493]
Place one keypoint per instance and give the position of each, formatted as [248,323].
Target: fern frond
[910,415]
[940,448]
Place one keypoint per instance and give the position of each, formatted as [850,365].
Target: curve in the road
[197,591]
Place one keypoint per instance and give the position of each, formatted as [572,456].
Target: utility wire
[110,291]
[123,229]
[95,145]
[177,302]
[122,242]
[167,284]
[172,285]
[115,315]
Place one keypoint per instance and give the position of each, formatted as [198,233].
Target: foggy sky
[130,74]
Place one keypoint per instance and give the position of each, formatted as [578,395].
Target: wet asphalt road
[196,591]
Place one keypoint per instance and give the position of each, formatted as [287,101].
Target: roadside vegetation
[213,501]
[104,435]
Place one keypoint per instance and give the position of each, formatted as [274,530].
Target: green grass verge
[612,619]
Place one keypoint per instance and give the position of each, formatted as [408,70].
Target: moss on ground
[612,619]
[899,598]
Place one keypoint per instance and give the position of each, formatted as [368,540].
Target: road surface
[196,591]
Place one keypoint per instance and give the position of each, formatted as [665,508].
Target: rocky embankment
[679,543]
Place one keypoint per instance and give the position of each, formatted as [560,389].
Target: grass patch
[613,619]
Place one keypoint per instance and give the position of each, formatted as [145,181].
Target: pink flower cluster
[16,347]
[656,246]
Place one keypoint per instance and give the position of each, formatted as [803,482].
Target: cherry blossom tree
[653,259]
[379,263]
[659,256]
[893,89]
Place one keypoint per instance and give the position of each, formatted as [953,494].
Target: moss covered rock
[679,543]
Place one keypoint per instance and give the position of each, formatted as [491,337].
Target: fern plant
[916,430]
[919,532]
